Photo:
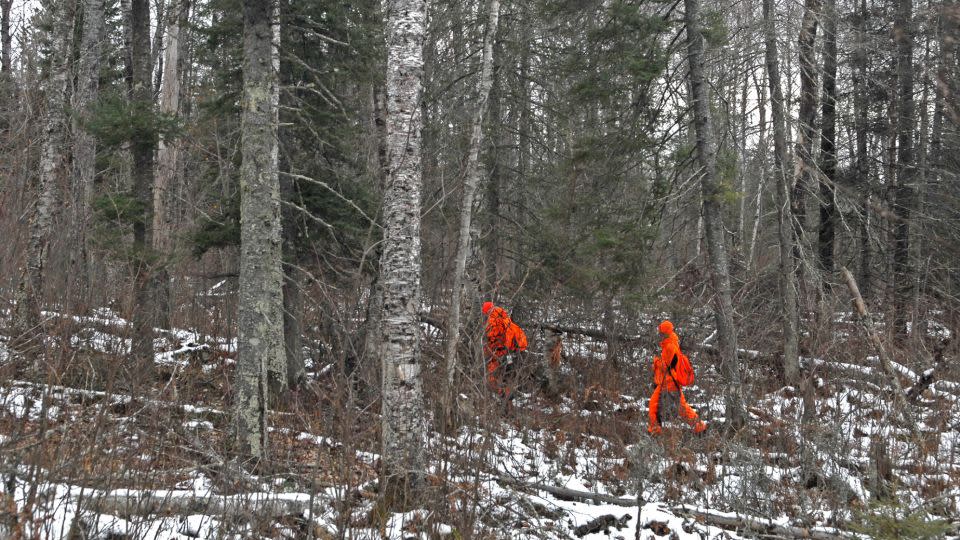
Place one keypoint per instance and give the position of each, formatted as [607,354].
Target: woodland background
[245,244]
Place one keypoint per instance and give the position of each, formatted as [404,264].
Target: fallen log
[565,494]
[718,519]
[867,322]
[761,525]
[251,505]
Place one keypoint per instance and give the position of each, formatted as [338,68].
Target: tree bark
[804,165]
[862,163]
[403,417]
[260,350]
[789,289]
[764,171]
[6,39]
[143,144]
[828,153]
[904,194]
[157,59]
[470,185]
[29,296]
[713,224]
[84,143]
[293,283]
[168,153]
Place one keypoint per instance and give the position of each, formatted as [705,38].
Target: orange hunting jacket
[670,348]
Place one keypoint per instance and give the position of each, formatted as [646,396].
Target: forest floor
[90,451]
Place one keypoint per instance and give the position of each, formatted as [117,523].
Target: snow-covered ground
[567,468]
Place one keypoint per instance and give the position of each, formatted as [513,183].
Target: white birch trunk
[260,332]
[29,294]
[470,186]
[403,416]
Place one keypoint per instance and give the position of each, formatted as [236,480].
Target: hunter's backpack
[516,339]
[682,370]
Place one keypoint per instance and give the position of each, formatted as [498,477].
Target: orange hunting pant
[669,399]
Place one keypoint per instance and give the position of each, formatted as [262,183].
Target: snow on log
[761,525]
[137,503]
[709,517]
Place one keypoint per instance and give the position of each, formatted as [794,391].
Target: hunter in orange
[503,337]
[669,386]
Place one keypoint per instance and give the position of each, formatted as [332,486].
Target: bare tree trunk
[293,283]
[789,290]
[862,159]
[6,40]
[403,417]
[260,349]
[143,145]
[828,153]
[84,143]
[764,171]
[712,220]
[804,165]
[168,153]
[470,184]
[29,296]
[126,14]
[156,59]
[904,192]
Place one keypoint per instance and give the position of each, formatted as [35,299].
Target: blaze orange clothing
[684,409]
[670,348]
[661,377]
[497,322]
[664,381]
[496,347]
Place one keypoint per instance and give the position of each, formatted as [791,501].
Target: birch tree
[403,416]
[706,156]
[29,295]
[470,185]
[260,346]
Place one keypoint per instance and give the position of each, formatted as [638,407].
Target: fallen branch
[867,321]
[761,525]
[246,505]
[565,494]
[736,521]
[558,328]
